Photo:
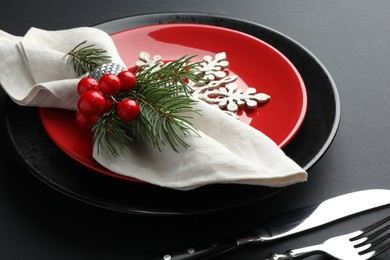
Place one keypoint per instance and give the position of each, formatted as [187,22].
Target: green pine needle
[85,58]
[164,98]
[166,109]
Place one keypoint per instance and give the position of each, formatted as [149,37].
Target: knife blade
[287,224]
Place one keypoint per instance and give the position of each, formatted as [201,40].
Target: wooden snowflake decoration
[232,98]
[213,69]
[219,88]
[145,60]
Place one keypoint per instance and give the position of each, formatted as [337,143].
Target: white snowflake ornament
[146,61]
[253,99]
[218,87]
[213,69]
[232,98]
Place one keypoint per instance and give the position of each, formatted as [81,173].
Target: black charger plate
[50,164]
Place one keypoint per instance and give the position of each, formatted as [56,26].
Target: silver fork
[359,245]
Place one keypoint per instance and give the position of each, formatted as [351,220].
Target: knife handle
[201,251]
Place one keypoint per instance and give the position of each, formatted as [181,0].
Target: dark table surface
[350,37]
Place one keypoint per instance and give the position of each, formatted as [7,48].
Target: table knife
[287,224]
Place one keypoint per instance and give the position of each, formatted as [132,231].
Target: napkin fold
[33,72]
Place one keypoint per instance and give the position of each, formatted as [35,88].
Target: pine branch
[166,109]
[84,58]
[109,129]
[176,73]
[164,98]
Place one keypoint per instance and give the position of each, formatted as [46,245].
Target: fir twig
[164,98]
[85,58]
[166,107]
[108,130]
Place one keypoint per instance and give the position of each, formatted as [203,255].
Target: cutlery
[359,245]
[287,224]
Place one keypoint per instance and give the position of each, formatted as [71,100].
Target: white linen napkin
[33,72]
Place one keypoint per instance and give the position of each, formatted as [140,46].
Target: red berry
[109,84]
[133,69]
[127,79]
[127,109]
[107,107]
[91,102]
[87,83]
[85,121]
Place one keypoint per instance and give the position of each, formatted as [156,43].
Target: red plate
[256,63]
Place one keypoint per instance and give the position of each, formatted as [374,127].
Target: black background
[351,38]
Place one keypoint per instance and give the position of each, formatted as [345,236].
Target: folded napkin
[33,72]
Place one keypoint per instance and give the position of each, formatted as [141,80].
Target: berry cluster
[97,98]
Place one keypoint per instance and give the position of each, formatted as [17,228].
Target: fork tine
[372,238]
[375,237]
[363,244]
[380,239]
[378,250]
[377,246]
[366,230]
